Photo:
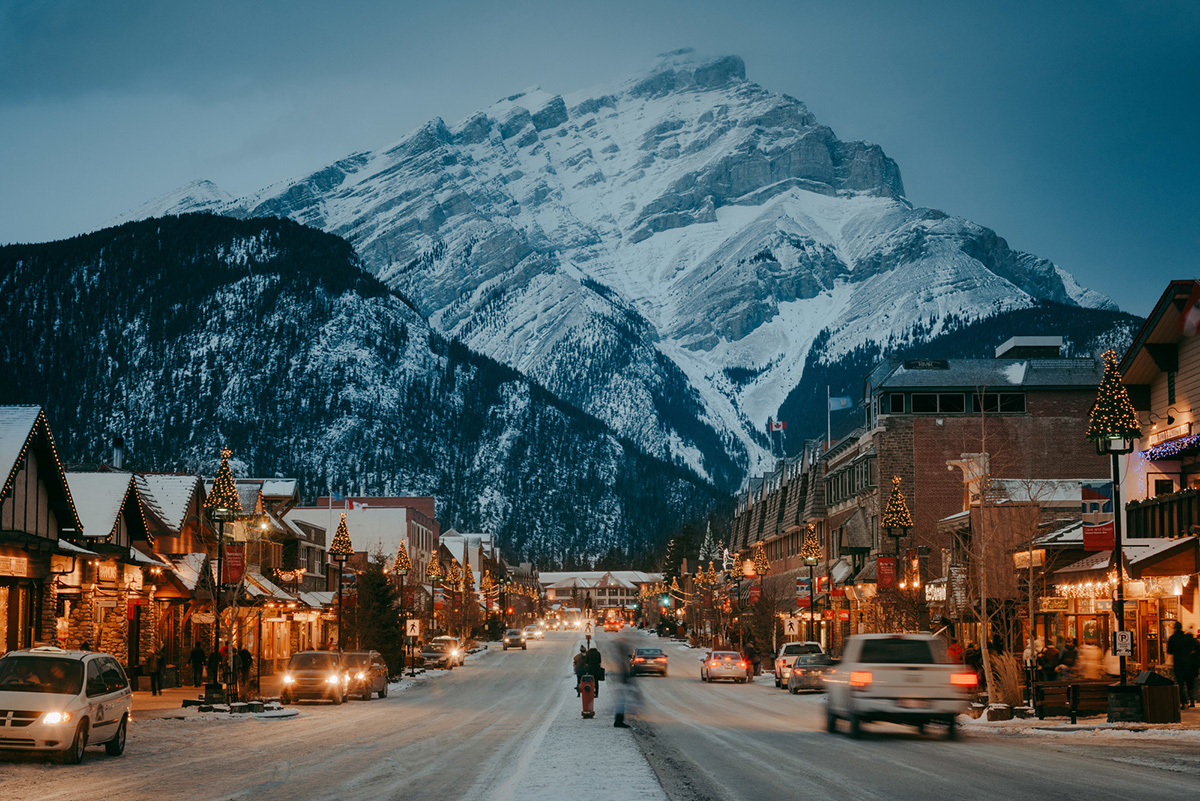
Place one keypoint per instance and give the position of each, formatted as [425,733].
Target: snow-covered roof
[71,549]
[589,578]
[1069,532]
[279,487]
[139,558]
[188,568]
[996,375]
[16,424]
[319,599]
[168,495]
[98,500]
[259,586]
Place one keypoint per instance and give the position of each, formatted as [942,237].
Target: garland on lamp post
[341,549]
[401,568]
[896,514]
[223,505]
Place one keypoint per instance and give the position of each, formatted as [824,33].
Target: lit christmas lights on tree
[711,578]
[762,565]
[223,502]
[896,514]
[810,549]
[1113,416]
[433,571]
[341,546]
[403,564]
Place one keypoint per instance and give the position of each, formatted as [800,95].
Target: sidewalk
[1188,727]
[170,702]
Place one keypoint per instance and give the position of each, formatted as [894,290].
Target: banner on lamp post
[885,572]
[234,565]
[1099,537]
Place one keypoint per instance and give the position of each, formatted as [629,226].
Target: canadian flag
[777,425]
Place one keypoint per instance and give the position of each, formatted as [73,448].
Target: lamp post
[340,549]
[223,505]
[1112,427]
[810,552]
[896,516]
[401,568]
[433,572]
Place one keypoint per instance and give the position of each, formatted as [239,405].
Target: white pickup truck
[900,678]
[787,655]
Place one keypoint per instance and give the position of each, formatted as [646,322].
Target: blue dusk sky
[1068,127]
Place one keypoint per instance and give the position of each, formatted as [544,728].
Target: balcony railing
[1171,515]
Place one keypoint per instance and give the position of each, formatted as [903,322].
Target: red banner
[1100,537]
[234,565]
[843,614]
[885,572]
[802,601]
[755,592]
[437,599]
[828,614]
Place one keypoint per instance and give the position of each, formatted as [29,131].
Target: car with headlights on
[316,675]
[808,672]
[534,633]
[436,654]
[724,665]
[898,678]
[647,661]
[58,701]
[368,674]
[515,638]
[458,649]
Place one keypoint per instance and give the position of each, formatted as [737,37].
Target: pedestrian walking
[1183,650]
[580,666]
[1067,659]
[1048,662]
[955,653]
[751,660]
[197,658]
[152,667]
[595,667]
[245,660]
[214,663]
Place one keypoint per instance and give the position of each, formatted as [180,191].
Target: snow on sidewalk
[570,757]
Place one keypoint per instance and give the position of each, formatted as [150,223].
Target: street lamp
[810,552]
[1113,426]
[433,572]
[401,568]
[340,549]
[223,505]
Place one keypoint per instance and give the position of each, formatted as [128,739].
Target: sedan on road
[808,672]
[648,660]
[515,638]
[437,655]
[724,665]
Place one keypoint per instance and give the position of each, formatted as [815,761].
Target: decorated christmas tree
[1113,416]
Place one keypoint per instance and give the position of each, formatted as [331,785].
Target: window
[113,674]
[1163,486]
[924,403]
[999,403]
[894,403]
[95,684]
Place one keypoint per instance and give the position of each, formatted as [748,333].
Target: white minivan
[59,701]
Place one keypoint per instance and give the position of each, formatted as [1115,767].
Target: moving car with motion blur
[787,655]
[532,632]
[899,678]
[724,665]
[515,638]
[368,674]
[315,675]
[436,654]
[808,672]
[458,649]
[612,625]
[58,701]
[647,661]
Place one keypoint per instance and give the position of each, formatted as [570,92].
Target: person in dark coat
[1048,662]
[580,665]
[1067,660]
[1183,650]
[197,658]
[594,668]
[245,660]
[152,667]
[214,663]
[751,660]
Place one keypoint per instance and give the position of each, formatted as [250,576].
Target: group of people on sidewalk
[588,663]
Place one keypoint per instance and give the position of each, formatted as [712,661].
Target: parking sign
[1123,643]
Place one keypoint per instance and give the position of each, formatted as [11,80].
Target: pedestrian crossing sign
[589,628]
[791,627]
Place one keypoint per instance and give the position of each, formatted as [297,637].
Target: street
[507,726]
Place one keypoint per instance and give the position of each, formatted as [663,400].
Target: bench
[1072,698]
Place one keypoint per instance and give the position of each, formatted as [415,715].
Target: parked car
[808,672]
[458,650]
[436,654]
[368,674]
[62,701]
[900,678]
[316,675]
[534,633]
[647,660]
[515,638]
[724,665]
[787,655]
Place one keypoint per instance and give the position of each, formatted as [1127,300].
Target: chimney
[118,454]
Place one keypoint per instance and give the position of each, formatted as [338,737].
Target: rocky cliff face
[662,253]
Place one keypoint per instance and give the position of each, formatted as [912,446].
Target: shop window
[924,403]
[999,402]
[895,403]
[939,403]
[1163,486]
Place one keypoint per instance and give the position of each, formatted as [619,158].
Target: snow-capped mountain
[662,253]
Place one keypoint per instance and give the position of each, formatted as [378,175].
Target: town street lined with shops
[507,725]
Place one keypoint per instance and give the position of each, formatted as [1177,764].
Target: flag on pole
[1189,318]
[837,404]
[337,496]
[776,425]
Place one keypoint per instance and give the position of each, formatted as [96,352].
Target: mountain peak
[686,69]
[200,195]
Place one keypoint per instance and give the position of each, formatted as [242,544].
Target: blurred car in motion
[808,672]
[612,625]
[59,701]
[645,661]
[787,655]
[458,650]
[316,675]
[724,665]
[515,638]
[534,633]
[899,678]
[436,654]
[368,674]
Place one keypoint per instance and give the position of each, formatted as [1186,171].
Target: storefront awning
[1162,557]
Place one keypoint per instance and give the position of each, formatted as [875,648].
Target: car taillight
[639,659]
[860,678]
[661,659]
[743,665]
[714,663]
[964,680]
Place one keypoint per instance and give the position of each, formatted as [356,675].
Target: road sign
[412,628]
[1123,643]
[791,627]
[589,628]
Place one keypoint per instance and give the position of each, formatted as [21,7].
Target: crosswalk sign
[791,627]
[589,628]
[412,627]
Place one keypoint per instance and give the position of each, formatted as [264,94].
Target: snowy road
[737,741]
[505,726]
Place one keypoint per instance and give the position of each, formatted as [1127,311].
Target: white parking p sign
[1123,643]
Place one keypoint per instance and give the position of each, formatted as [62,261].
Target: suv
[900,678]
[787,655]
[515,638]
[368,674]
[63,701]
[457,650]
[437,654]
[316,674]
